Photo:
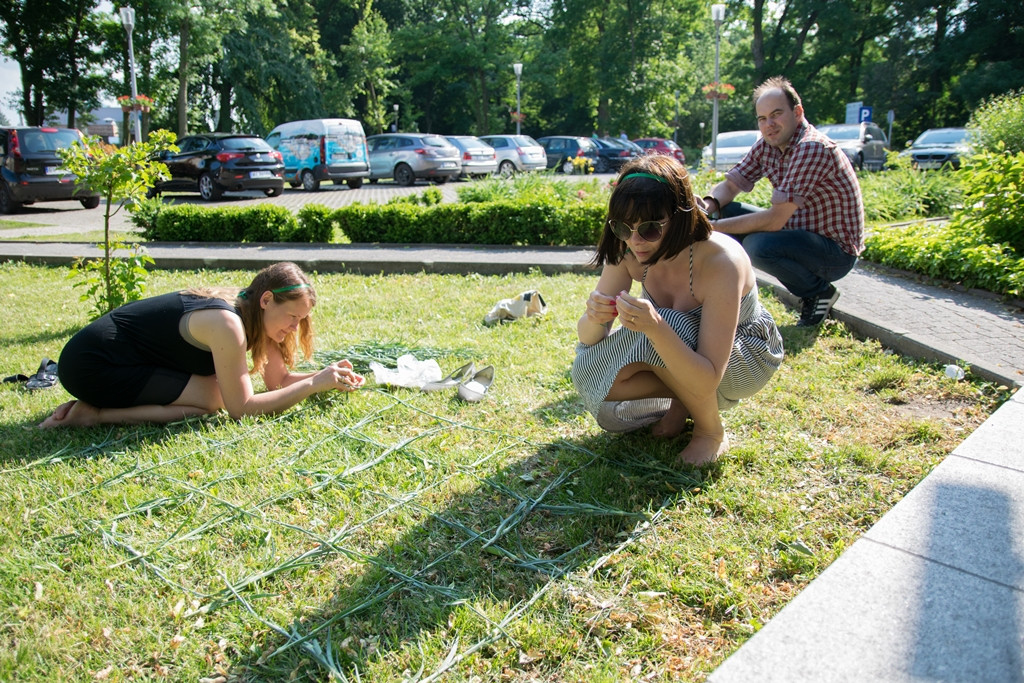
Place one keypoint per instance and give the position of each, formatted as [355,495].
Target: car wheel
[404,175]
[309,181]
[152,192]
[373,181]
[601,166]
[441,180]
[7,203]
[507,169]
[859,163]
[354,183]
[208,188]
[566,166]
[273,191]
[90,202]
[292,183]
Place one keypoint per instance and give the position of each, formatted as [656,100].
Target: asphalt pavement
[934,591]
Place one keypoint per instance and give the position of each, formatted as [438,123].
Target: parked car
[478,158]
[560,150]
[613,154]
[516,153]
[937,147]
[732,147]
[322,149]
[408,156]
[30,169]
[661,146]
[215,163]
[864,143]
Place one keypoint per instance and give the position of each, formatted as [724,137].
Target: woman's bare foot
[72,414]
[703,449]
[672,423]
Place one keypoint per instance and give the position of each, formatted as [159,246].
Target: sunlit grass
[390,534]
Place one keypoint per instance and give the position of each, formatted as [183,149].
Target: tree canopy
[589,65]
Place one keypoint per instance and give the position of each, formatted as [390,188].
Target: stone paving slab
[934,591]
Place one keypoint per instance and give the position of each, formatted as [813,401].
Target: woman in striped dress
[694,340]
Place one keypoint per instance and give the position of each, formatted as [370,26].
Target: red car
[661,146]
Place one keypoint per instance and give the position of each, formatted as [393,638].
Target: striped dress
[756,355]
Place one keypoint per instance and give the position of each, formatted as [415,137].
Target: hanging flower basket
[517,116]
[718,91]
[141,103]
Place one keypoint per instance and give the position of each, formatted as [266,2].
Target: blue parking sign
[865,114]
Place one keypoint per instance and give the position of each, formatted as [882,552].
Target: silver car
[408,156]
[478,158]
[732,147]
[864,143]
[517,153]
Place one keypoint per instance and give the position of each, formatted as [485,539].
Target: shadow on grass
[24,439]
[42,336]
[566,506]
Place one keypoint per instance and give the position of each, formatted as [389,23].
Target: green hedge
[499,222]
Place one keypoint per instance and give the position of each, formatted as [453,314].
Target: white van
[322,149]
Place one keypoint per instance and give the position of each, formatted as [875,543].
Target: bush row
[982,245]
[500,222]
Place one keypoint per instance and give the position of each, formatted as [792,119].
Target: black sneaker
[814,309]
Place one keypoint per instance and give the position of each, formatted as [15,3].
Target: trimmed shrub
[998,123]
[191,223]
[316,223]
[500,222]
[994,197]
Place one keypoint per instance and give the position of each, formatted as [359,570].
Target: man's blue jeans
[804,262]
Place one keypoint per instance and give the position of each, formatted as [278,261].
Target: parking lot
[59,218]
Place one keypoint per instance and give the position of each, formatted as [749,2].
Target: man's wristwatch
[707,205]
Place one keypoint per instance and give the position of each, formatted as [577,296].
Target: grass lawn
[393,535]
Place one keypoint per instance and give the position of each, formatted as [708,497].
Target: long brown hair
[247,302]
[645,198]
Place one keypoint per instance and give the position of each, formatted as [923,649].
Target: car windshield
[841,132]
[745,138]
[941,137]
[39,141]
[525,141]
[246,144]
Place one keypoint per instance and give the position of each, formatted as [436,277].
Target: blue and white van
[322,149]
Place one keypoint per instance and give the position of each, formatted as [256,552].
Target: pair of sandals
[45,377]
[472,383]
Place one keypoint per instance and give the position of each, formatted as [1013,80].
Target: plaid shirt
[814,174]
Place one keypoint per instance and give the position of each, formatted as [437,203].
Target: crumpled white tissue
[410,373]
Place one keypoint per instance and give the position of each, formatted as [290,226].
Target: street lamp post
[128,21]
[395,124]
[718,16]
[518,68]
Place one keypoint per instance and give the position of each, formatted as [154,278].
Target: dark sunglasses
[649,231]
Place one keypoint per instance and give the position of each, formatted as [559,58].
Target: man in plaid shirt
[814,231]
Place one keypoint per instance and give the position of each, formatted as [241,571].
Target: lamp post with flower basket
[717,16]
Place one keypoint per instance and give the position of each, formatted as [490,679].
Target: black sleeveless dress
[135,355]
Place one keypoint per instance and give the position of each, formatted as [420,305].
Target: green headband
[287,288]
[646,175]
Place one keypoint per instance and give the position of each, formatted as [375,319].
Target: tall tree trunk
[183,78]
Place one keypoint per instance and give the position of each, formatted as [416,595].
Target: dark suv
[215,163]
[561,148]
[31,170]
